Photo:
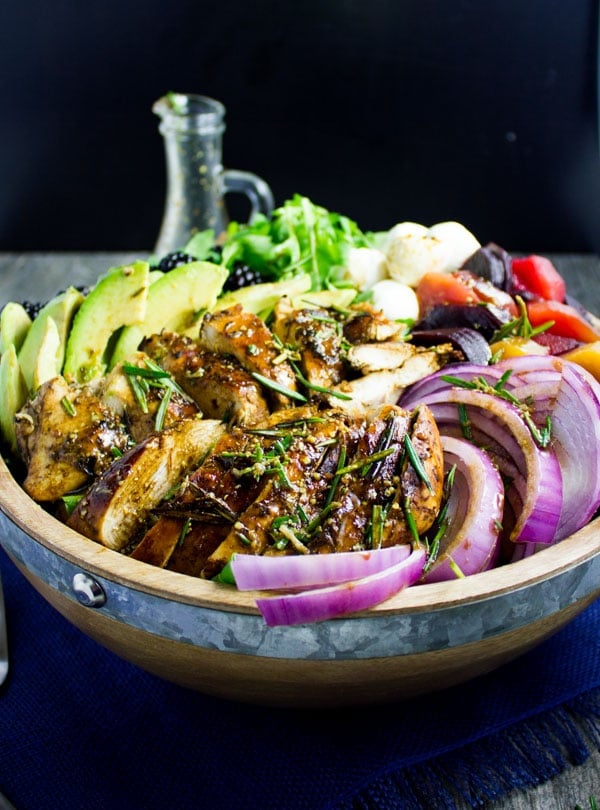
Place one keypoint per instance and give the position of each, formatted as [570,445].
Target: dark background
[483,112]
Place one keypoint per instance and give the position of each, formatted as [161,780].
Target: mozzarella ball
[459,243]
[412,252]
[366,266]
[397,301]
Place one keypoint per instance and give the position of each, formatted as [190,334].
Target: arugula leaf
[298,237]
[201,245]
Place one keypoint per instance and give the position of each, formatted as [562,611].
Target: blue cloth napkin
[80,728]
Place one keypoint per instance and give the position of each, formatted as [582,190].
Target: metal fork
[3,639]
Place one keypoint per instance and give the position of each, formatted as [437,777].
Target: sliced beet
[485,319]
[493,263]
[471,343]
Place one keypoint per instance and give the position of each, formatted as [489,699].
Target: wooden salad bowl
[210,637]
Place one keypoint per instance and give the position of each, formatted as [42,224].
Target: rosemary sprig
[542,435]
[314,524]
[440,525]
[185,530]
[151,372]
[280,389]
[464,421]
[142,378]
[456,570]
[383,443]
[377,524]
[336,478]
[140,388]
[288,530]
[361,463]
[416,462]
[520,326]
[319,388]
[71,501]
[411,522]
[161,412]
[264,463]
[295,426]
[292,355]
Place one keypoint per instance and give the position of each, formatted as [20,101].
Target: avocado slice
[14,325]
[13,395]
[118,299]
[61,309]
[50,355]
[175,302]
[259,298]
[336,298]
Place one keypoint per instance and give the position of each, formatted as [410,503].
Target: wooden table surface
[38,276]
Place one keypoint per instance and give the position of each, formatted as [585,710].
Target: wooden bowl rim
[103,562]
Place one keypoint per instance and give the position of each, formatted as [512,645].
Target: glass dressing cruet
[192,127]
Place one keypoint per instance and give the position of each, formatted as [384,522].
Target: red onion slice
[435,382]
[258,573]
[475,506]
[535,492]
[524,372]
[321,604]
[574,410]
[576,440]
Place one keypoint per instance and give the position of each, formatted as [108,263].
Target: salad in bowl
[302,409]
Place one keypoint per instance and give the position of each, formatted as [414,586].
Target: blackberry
[31,308]
[241,275]
[173,260]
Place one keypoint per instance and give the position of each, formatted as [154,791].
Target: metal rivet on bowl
[88,591]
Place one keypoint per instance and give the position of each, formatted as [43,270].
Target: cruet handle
[253,187]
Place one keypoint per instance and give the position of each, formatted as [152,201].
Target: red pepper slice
[567,321]
[537,275]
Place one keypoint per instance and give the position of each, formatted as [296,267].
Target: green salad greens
[298,237]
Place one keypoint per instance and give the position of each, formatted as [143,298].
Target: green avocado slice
[175,303]
[13,395]
[117,300]
[259,298]
[14,325]
[50,356]
[61,309]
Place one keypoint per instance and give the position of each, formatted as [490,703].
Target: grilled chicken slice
[118,504]
[245,336]
[218,490]
[421,491]
[380,387]
[196,546]
[373,500]
[295,478]
[216,382]
[370,357]
[370,482]
[139,404]
[365,324]
[159,542]
[316,336]
[66,436]
[179,544]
